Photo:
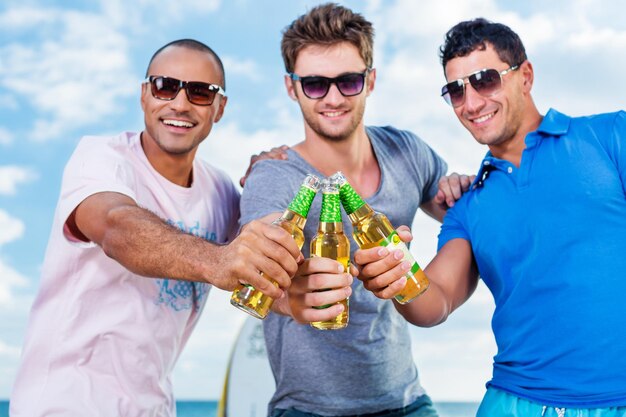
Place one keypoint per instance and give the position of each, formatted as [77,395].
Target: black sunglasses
[199,93]
[486,82]
[315,87]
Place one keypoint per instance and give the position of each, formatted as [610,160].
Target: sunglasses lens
[454,92]
[315,87]
[351,84]
[200,93]
[486,82]
[165,88]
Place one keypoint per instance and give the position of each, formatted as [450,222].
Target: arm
[146,245]
[452,273]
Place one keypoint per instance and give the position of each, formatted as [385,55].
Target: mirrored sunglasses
[199,93]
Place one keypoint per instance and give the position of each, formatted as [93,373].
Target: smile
[178,123]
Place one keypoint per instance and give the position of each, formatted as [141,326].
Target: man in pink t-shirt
[141,232]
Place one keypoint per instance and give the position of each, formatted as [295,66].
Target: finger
[318,282]
[392,289]
[404,233]
[365,256]
[326,297]
[384,280]
[444,186]
[309,315]
[262,283]
[378,268]
[319,264]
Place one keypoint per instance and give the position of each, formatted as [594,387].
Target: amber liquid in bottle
[331,242]
[246,297]
[371,228]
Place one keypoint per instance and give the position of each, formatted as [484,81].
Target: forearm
[428,310]
[146,245]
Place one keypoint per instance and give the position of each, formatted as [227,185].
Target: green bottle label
[331,208]
[393,242]
[301,203]
[350,199]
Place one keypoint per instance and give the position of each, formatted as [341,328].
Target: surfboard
[249,383]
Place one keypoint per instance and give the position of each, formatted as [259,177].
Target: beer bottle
[253,301]
[371,229]
[331,242]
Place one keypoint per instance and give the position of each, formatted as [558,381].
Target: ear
[144,93]
[290,85]
[371,81]
[220,108]
[528,75]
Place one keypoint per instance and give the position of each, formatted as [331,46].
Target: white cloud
[11,176]
[74,76]
[10,228]
[6,137]
[246,68]
[9,351]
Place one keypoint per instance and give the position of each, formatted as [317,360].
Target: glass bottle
[371,228]
[293,219]
[331,242]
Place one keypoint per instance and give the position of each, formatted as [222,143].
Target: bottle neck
[330,227]
[359,214]
[293,217]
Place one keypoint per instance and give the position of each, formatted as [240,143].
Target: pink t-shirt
[102,341]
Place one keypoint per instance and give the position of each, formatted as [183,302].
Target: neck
[354,156]
[175,168]
[511,150]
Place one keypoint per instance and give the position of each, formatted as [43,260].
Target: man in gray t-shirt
[367,367]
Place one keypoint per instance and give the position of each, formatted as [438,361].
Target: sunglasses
[199,93]
[486,82]
[316,87]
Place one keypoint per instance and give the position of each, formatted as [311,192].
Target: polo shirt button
[510,170]
[486,163]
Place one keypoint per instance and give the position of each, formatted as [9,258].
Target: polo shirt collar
[554,123]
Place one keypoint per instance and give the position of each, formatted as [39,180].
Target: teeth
[177,123]
[333,114]
[482,119]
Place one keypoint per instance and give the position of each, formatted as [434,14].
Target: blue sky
[70,68]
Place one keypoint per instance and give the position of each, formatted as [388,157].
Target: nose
[180,102]
[334,96]
[473,101]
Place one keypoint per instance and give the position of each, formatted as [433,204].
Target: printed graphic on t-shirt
[184,295]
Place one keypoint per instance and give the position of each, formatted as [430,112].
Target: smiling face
[175,128]
[497,120]
[333,117]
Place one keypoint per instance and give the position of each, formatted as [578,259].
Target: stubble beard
[335,136]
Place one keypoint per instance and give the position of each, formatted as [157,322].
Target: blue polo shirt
[549,239]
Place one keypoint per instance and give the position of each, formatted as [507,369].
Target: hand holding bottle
[319,282]
[383,272]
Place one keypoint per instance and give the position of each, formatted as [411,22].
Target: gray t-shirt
[367,366]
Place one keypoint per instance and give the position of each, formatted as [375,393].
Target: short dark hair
[468,36]
[327,24]
[195,45]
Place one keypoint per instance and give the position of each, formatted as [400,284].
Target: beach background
[70,68]
[209,409]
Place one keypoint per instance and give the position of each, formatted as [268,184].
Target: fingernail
[382,252]
[398,255]
[339,268]
[406,265]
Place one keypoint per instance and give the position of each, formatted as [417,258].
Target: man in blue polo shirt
[544,223]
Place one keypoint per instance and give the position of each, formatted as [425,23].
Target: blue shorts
[502,404]
[422,407]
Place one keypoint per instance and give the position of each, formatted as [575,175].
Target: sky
[72,68]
